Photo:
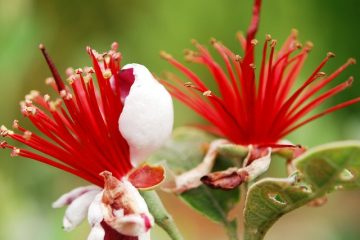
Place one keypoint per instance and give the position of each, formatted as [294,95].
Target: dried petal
[146,176]
[259,165]
[258,161]
[191,179]
[124,209]
[228,179]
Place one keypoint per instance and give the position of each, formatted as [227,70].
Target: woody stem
[162,217]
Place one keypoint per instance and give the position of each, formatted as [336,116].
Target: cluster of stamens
[251,109]
[81,125]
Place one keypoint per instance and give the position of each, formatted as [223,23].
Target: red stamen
[316,102]
[83,137]
[254,25]
[327,111]
[59,83]
[251,110]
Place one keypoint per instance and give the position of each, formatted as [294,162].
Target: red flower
[253,108]
[106,127]
[82,125]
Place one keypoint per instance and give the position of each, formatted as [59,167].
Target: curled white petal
[77,210]
[95,212]
[97,233]
[258,166]
[132,224]
[147,118]
[69,197]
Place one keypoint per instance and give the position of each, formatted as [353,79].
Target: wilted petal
[146,176]
[77,210]
[228,179]
[256,163]
[69,197]
[147,118]
[125,210]
[191,179]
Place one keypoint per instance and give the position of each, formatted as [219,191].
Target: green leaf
[320,170]
[185,151]
[331,165]
[235,152]
[214,203]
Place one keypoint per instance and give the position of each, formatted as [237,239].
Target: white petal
[259,166]
[97,233]
[95,212]
[145,236]
[69,197]
[77,210]
[147,118]
[132,194]
[133,224]
[119,213]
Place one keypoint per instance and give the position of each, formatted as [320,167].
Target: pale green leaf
[331,165]
[320,170]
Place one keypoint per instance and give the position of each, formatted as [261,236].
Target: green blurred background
[143,28]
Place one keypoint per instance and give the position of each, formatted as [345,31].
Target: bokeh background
[143,28]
